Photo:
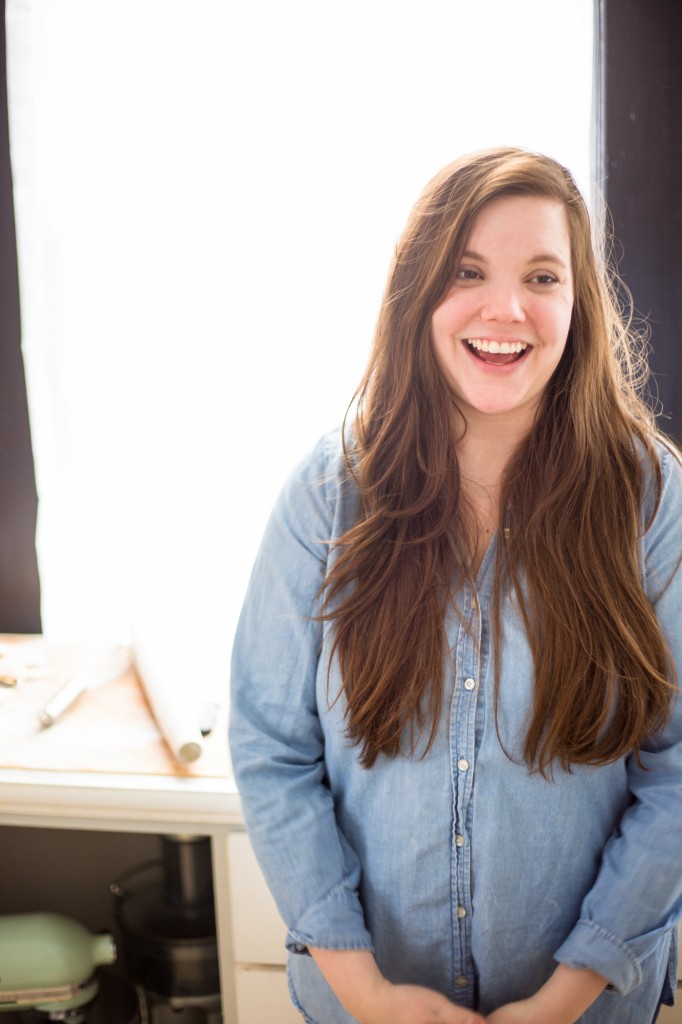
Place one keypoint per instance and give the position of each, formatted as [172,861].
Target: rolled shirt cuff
[335,922]
[590,946]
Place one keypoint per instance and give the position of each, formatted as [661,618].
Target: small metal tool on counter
[95,670]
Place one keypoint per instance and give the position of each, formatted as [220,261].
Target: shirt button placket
[467,671]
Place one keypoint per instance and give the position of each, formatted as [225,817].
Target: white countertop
[119,802]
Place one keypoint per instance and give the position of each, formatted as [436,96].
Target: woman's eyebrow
[548,257]
[542,257]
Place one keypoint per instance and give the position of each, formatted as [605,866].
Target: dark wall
[640,42]
[19,585]
[19,589]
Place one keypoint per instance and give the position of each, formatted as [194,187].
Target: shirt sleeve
[637,895]
[276,739]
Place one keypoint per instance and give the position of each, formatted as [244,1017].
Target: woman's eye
[543,279]
[467,274]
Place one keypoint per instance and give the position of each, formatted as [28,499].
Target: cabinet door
[673,1014]
[258,931]
[263,996]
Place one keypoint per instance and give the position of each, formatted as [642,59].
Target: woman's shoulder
[321,484]
[669,456]
[662,475]
[326,464]
[662,508]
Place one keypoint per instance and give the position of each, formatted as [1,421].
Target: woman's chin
[498,406]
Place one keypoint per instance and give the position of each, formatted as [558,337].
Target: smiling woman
[449,637]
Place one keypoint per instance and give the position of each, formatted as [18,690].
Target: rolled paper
[169,686]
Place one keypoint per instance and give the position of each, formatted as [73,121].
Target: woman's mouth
[497,353]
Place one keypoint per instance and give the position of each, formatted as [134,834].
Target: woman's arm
[276,738]
[561,1000]
[363,991]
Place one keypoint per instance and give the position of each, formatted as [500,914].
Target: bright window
[207,198]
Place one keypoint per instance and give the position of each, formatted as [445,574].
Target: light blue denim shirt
[460,869]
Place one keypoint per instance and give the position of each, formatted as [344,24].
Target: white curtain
[207,195]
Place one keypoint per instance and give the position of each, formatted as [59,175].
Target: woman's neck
[484,451]
[483,454]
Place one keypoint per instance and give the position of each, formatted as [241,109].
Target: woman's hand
[358,984]
[412,1004]
[561,1000]
[523,1012]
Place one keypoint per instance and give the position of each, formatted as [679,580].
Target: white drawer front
[673,1014]
[263,997]
[258,931]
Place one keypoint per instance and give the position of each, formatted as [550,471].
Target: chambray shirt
[460,869]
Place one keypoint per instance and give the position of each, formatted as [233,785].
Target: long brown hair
[572,495]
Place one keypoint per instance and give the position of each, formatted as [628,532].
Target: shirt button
[459,840]
[461,911]
[461,981]
[469,683]
[462,764]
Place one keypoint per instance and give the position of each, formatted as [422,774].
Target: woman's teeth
[495,347]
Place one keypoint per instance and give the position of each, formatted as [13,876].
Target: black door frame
[19,582]
[638,161]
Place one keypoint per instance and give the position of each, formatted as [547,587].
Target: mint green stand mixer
[47,963]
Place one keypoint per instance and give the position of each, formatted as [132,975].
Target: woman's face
[500,331]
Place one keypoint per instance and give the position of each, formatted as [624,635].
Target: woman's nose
[503,303]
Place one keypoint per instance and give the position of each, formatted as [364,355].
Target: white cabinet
[257,942]
[263,997]
[69,804]
[258,931]
[52,811]
[673,1014]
